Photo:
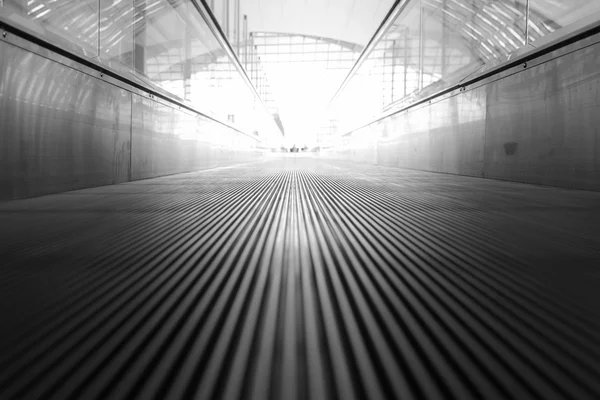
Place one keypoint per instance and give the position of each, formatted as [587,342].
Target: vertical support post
[255,62]
[234,28]
[187,63]
[226,18]
[259,76]
[261,80]
[139,39]
[250,55]
[245,41]
[393,67]
[249,61]
[237,26]
[444,38]
[383,76]
[406,58]
[252,64]
[421,46]
[98,28]
[527,23]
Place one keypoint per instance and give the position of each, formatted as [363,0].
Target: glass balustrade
[167,43]
[434,44]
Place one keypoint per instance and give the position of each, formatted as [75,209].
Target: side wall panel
[445,136]
[166,140]
[60,129]
[539,124]
[543,123]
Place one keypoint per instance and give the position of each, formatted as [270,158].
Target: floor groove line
[301,278]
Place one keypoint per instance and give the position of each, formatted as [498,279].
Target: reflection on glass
[116,31]
[399,54]
[547,16]
[433,44]
[73,20]
[317,64]
[160,43]
[175,49]
[167,42]
[459,38]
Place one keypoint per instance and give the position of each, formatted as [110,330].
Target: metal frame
[264,48]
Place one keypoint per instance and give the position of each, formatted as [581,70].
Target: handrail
[214,26]
[147,87]
[386,23]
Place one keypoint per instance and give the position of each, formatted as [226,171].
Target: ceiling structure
[300,90]
[349,20]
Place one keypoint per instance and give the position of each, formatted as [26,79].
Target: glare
[302,91]
[36,8]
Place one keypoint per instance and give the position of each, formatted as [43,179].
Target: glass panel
[160,43]
[116,31]
[547,16]
[430,45]
[402,46]
[396,58]
[168,42]
[75,21]
[459,39]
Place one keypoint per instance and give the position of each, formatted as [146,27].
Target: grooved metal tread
[298,278]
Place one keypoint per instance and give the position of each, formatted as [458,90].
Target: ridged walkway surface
[302,279]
